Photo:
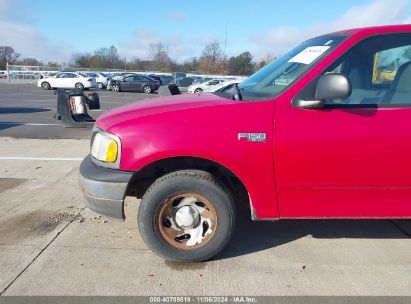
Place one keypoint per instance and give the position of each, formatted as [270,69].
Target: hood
[159,105]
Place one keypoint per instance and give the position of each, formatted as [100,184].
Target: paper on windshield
[309,54]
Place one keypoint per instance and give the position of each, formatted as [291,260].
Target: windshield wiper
[238,95]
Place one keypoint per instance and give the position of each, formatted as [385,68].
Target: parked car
[3,75]
[117,76]
[338,138]
[136,83]
[185,82]
[155,77]
[67,80]
[223,86]
[25,75]
[178,76]
[197,88]
[48,74]
[101,80]
[165,80]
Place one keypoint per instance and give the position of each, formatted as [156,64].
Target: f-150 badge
[253,137]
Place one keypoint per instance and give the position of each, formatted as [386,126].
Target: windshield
[277,76]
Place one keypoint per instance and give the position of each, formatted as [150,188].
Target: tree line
[211,61]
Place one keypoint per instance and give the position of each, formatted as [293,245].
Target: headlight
[104,148]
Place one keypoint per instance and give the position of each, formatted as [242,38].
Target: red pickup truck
[322,132]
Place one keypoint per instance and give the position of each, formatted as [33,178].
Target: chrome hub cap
[187,217]
[186,221]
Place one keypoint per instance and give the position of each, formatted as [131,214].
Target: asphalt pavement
[27,111]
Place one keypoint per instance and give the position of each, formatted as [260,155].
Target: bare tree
[29,61]
[213,59]
[81,60]
[267,59]
[107,58]
[7,56]
[161,59]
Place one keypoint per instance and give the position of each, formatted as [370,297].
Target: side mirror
[332,86]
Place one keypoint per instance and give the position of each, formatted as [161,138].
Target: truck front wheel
[186,216]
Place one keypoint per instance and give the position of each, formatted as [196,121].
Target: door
[57,81]
[140,82]
[127,83]
[70,80]
[351,158]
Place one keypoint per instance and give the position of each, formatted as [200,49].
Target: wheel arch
[45,81]
[143,178]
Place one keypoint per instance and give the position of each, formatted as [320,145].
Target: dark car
[178,76]
[111,77]
[165,80]
[155,77]
[185,82]
[135,83]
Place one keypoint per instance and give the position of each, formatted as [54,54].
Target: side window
[379,69]
[129,79]
[387,62]
[61,75]
[227,88]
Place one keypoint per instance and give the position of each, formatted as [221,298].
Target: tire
[45,85]
[100,85]
[212,224]
[198,90]
[79,85]
[115,88]
[147,89]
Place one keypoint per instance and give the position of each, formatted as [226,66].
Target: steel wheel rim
[169,223]
[115,88]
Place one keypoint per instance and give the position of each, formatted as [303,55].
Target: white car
[48,74]
[224,86]
[67,80]
[197,88]
[101,80]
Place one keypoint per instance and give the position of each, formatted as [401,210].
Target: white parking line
[42,158]
[28,124]
[25,100]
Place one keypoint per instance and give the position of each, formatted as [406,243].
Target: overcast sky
[54,30]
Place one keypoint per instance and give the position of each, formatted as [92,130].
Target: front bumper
[104,189]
